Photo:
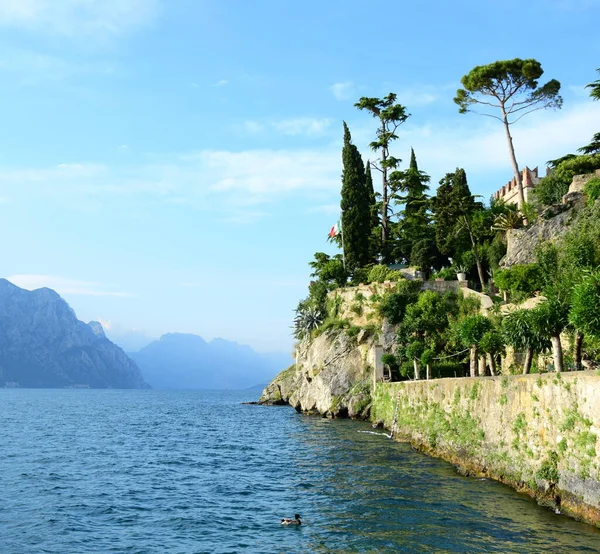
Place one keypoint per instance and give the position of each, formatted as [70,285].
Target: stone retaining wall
[537,433]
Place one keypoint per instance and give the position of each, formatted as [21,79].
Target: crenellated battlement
[509,192]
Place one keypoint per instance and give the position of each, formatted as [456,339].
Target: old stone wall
[537,433]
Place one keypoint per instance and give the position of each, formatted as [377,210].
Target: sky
[173,165]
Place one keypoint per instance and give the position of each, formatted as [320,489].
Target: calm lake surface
[194,472]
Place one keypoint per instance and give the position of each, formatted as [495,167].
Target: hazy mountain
[181,361]
[43,344]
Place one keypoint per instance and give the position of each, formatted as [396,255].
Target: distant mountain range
[183,361]
[43,344]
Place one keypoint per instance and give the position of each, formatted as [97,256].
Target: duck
[290,521]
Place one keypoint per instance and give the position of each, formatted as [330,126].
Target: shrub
[393,306]
[380,273]
[525,278]
[592,189]
[552,188]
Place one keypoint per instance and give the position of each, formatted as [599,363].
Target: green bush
[446,273]
[361,275]
[393,305]
[524,278]
[552,188]
[592,189]
[380,273]
[448,369]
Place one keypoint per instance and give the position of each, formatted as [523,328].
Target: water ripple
[197,472]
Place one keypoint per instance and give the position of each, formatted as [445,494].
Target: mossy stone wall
[537,433]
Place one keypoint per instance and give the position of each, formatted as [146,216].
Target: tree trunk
[416,366]
[577,350]
[513,159]
[475,253]
[384,199]
[473,361]
[481,366]
[428,371]
[557,353]
[492,363]
[528,360]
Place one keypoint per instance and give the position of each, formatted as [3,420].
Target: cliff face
[332,376]
[43,344]
[552,224]
[537,433]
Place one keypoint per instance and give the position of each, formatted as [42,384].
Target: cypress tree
[356,204]
[414,223]
[453,200]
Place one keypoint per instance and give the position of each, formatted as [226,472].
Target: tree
[595,88]
[329,270]
[391,115]
[471,330]
[584,313]
[409,189]
[356,206]
[422,327]
[521,332]
[453,199]
[551,317]
[375,238]
[512,86]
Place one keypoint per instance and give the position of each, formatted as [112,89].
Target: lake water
[194,472]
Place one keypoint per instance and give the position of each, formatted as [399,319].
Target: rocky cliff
[332,376]
[43,344]
[552,224]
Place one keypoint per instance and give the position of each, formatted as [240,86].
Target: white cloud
[479,145]
[293,127]
[417,97]
[342,91]
[63,285]
[302,126]
[78,17]
[221,83]
[269,173]
[245,180]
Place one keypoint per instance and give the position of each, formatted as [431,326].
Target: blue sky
[173,165]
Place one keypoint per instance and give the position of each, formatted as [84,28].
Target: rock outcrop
[332,376]
[43,344]
[552,224]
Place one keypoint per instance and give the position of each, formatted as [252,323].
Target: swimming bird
[290,521]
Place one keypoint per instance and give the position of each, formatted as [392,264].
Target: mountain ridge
[43,344]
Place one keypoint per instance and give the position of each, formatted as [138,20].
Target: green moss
[535,398]
[474,391]
[549,469]
[503,399]
[505,383]
[457,395]
[519,424]
[585,443]
[357,308]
